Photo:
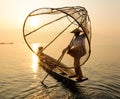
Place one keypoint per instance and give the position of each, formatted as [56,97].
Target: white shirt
[78,42]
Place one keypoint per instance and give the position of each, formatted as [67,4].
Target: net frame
[82,24]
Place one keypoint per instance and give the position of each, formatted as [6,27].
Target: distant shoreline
[6,43]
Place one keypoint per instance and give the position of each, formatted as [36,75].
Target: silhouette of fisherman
[76,49]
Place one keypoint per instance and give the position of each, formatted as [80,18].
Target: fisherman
[76,49]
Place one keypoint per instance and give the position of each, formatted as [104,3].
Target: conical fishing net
[51,28]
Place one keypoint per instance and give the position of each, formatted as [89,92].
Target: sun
[33,21]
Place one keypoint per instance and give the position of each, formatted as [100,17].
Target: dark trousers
[76,54]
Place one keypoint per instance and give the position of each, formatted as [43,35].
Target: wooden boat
[57,71]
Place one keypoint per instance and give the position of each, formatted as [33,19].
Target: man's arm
[68,47]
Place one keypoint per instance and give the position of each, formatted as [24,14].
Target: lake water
[20,75]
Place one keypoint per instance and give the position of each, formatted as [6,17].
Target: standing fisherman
[77,49]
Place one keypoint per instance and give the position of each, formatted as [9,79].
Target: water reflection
[34,63]
[35,60]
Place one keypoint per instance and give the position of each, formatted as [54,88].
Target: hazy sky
[104,15]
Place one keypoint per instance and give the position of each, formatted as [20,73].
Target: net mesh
[51,27]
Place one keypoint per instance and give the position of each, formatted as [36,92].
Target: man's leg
[78,70]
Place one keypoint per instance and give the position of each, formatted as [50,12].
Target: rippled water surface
[20,76]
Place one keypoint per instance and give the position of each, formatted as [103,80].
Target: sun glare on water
[35,60]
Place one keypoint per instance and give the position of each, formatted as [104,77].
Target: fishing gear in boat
[50,29]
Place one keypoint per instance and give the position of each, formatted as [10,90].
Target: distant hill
[6,42]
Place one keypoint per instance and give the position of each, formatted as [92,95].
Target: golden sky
[104,15]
